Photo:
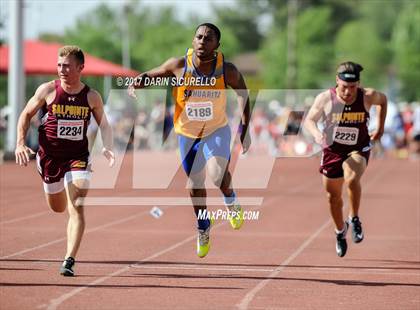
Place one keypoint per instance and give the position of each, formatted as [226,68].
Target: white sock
[341,231]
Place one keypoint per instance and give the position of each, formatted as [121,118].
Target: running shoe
[356,229]
[237,220]
[67,267]
[341,244]
[203,240]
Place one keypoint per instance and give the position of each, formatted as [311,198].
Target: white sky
[54,16]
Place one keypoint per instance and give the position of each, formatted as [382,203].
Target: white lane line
[163,201]
[24,217]
[54,303]
[289,269]
[258,201]
[212,270]
[250,295]
[186,267]
[244,303]
[86,232]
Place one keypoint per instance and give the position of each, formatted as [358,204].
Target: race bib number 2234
[70,129]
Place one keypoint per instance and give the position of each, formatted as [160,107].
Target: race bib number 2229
[346,135]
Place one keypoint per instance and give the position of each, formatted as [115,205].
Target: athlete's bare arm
[378,99]
[235,80]
[22,152]
[314,115]
[172,67]
[97,106]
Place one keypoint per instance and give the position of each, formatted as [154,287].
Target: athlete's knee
[78,201]
[196,182]
[75,201]
[351,177]
[353,183]
[217,174]
[76,188]
[217,177]
[353,170]
[76,195]
[77,213]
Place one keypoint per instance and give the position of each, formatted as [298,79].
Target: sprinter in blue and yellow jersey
[201,123]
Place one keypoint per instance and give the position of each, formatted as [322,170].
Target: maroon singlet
[62,134]
[346,126]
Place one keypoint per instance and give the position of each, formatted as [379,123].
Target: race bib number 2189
[199,111]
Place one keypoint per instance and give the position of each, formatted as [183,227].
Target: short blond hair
[74,50]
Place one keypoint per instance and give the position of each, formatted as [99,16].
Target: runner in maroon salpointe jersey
[346,144]
[63,156]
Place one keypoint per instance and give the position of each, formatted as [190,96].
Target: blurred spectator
[141,133]
[414,134]
[275,128]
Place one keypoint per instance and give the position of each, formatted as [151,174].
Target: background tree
[406,47]
[241,22]
[358,41]
[313,51]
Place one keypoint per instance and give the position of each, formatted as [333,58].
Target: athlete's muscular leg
[335,201]
[57,202]
[218,169]
[76,225]
[353,167]
[196,185]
